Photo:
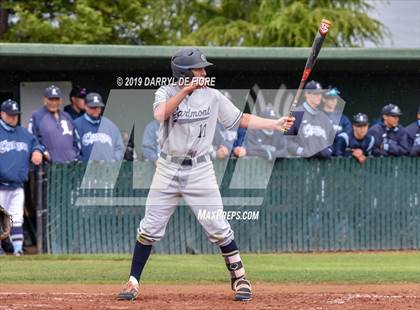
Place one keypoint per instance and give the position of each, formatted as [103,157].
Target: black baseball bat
[310,62]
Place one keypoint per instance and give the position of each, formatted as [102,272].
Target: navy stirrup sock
[140,256]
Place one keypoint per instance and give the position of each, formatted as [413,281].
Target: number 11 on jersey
[202,133]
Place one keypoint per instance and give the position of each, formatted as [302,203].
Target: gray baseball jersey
[190,129]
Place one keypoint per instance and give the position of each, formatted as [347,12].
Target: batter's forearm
[255,122]
[165,109]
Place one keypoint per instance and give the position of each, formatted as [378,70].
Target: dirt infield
[216,296]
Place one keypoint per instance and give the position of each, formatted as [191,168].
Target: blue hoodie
[100,139]
[16,147]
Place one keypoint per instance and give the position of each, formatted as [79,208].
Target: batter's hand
[239,151]
[285,123]
[222,152]
[193,85]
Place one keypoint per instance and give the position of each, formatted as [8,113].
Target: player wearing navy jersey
[358,143]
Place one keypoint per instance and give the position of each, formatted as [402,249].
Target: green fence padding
[308,205]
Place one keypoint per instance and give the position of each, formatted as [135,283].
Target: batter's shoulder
[169,90]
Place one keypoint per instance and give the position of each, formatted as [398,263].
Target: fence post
[39,209]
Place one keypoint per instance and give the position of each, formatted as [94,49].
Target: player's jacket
[394,141]
[16,147]
[100,139]
[315,136]
[343,125]
[74,115]
[345,143]
[340,123]
[413,131]
[269,145]
[150,145]
[59,137]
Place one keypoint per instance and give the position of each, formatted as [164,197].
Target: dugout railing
[304,205]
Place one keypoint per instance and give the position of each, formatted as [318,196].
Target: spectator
[316,133]
[413,131]
[55,129]
[150,145]
[76,108]
[17,148]
[268,144]
[222,142]
[391,139]
[101,139]
[358,143]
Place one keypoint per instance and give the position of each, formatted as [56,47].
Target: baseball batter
[188,114]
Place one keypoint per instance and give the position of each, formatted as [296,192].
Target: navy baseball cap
[52,92]
[332,92]
[94,100]
[314,87]
[360,119]
[78,92]
[392,110]
[10,107]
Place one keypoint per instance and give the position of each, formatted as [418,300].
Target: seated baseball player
[358,143]
[391,139]
[413,131]
[188,112]
[100,138]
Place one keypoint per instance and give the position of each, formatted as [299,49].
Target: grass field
[382,267]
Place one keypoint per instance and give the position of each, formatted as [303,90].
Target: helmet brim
[199,65]
[393,114]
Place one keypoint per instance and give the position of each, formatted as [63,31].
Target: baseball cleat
[242,289]
[129,292]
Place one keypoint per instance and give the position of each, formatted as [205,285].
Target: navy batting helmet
[360,119]
[186,59]
[391,109]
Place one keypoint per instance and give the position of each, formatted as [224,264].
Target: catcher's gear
[5,223]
